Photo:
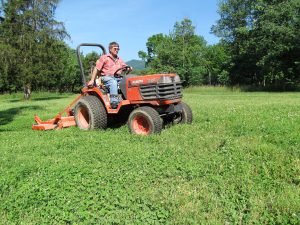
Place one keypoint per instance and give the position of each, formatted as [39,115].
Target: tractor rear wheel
[144,121]
[185,116]
[90,113]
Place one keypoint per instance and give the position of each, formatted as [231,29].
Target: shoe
[114,105]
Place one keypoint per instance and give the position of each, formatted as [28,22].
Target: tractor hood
[151,87]
[152,79]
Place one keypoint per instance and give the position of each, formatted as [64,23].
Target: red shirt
[108,65]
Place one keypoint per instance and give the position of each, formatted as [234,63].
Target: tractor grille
[162,91]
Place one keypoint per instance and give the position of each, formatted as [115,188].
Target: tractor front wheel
[144,121]
[185,116]
[90,113]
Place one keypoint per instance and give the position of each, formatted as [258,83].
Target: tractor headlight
[177,79]
[165,80]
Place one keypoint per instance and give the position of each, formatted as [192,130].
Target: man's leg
[112,85]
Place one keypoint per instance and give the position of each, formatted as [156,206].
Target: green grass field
[237,163]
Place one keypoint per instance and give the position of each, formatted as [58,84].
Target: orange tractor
[147,104]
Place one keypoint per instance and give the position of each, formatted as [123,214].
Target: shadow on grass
[4,130]
[268,88]
[119,120]
[38,99]
[48,98]
[7,116]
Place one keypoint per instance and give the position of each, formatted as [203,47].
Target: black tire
[185,116]
[90,113]
[144,121]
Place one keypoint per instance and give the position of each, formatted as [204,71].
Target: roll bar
[79,59]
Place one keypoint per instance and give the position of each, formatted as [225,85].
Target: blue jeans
[112,84]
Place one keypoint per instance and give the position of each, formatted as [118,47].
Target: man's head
[114,48]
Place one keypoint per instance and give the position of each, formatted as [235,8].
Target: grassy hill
[136,64]
[237,163]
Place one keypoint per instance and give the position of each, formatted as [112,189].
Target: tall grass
[239,162]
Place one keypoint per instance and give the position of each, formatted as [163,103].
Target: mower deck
[56,123]
[59,121]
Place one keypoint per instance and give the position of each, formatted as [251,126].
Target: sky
[132,22]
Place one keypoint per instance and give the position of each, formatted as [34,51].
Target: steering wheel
[124,72]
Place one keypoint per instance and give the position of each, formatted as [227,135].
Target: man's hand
[90,83]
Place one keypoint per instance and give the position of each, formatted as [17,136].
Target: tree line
[259,46]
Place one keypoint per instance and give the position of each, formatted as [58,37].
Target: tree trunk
[27,92]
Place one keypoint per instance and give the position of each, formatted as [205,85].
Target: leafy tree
[262,37]
[1,10]
[68,69]
[8,56]
[278,31]
[216,61]
[89,62]
[32,38]
[180,52]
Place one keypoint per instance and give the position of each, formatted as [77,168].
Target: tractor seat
[101,85]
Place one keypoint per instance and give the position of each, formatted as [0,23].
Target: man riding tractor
[106,67]
[146,102]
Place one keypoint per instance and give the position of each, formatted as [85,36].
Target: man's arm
[94,74]
[97,69]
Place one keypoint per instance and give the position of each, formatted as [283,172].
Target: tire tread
[97,112]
